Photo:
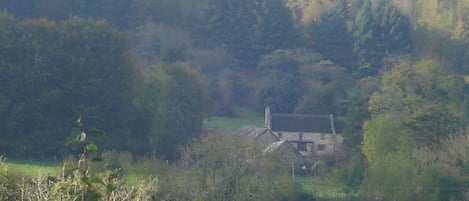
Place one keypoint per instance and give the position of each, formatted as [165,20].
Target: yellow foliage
[443,16]
[460,32]
[313,12]
[3,167]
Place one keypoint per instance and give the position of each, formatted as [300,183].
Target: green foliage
[329,100]
[115,12]
[249,28]
[8,187]
[88,189]
[162,42]
[224,167]
[351,172]
[66,186]
[426,97]
[443,170]
[178,111]
[331,37]
[282,85]
[63,69]
[80,183]
[383,135]
[390,176]
[357,114]
[380,30]
[417,106]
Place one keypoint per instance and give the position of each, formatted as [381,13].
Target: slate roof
[269,142]
[305,123]
[264,137]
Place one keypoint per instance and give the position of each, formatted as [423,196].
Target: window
[323,136]
[300,137]
[321,147]
[302,146]
[280,135]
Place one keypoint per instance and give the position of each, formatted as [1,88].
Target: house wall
[315,142]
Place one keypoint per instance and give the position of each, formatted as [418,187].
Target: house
[269,142]
[308,133]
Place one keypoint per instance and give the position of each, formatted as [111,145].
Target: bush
[8,187]
[222,167]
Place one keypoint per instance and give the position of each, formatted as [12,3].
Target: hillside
[158,74]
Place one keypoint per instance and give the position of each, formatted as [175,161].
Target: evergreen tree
[380,30]
[332,39]
[250,28]
[365,46]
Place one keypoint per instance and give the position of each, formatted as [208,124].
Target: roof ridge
[301,115]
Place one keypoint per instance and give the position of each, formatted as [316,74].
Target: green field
[242,116]
[227,124]
[32,168]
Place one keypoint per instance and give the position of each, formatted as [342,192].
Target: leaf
[72,169]
[86,181]
[92,148]
[93,195]
[110,188]
[95,180]
[72,141]
[98,132]
[79,123]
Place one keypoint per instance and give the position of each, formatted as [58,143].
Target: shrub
[8,187]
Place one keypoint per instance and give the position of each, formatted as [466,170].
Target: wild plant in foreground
[79,183]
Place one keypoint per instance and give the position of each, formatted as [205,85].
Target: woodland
[148,72]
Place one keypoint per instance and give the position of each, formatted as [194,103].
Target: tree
[178,101]
[219,166]
[115,12]
[59,70]
[380,30]
[250,28]
[357,114]
[445,168]
[427,97]
[331,37]
[417,106]
[283,84]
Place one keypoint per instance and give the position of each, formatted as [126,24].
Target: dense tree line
[53,72]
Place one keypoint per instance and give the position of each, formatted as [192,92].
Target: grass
[243,116]
[226,124]
[32,168]
[36,168]
[322,189]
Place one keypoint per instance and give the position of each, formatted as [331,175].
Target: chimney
[331,117]
[267,118]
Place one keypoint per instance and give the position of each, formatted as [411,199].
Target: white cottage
[309,133]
